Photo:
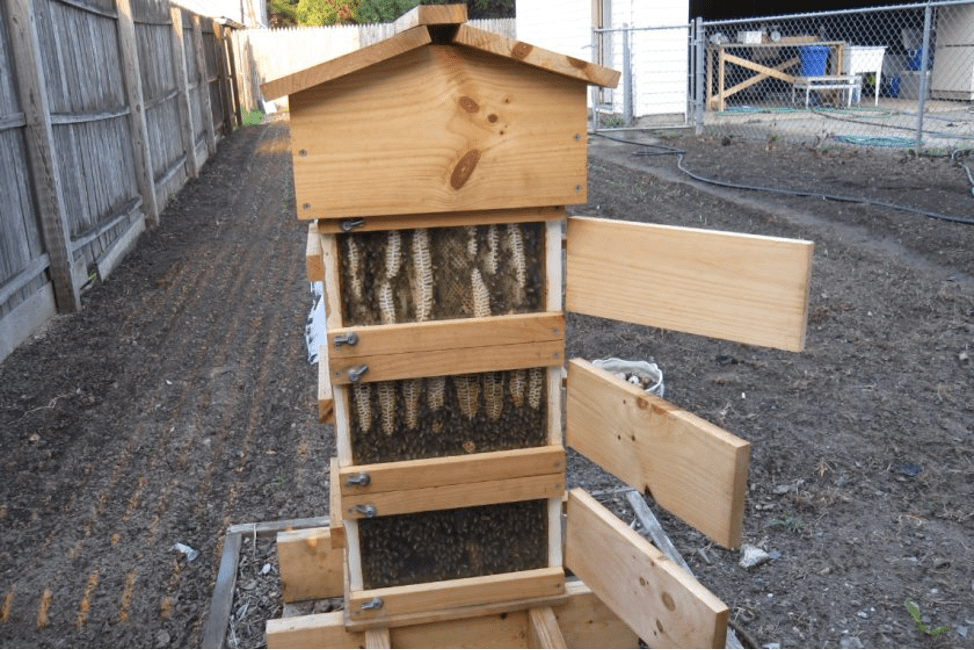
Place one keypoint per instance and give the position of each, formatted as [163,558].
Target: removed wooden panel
[312,631]
[535,56]
[335,527]
[312,255]
[310,568]
[346,64]
[447,347]
[326,397]
[659,601]
[543,630]
[451,595]
[436,472]
[448,219]
[743,288]
[378,638]
[431,15]
[692,468]
[438,129]
[446,497]
[586,622]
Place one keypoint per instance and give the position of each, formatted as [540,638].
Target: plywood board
[445,497]
[428,598]
[744,288]
[452,347]
[346,64]
[453,470]
[532,55]
[438,129]
[436,220]
[692,468]
[663,604]
[310,568]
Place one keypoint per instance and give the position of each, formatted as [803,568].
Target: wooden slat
[204,93]
[452,595]
[659,601]
[326,396]
[314,265]
[543,630]
[186,129]
[744,288]
[431,15]
[335,527]
[312,631]
[346,64]
[309,567]
[222,602]
[438,129]
[497,630]
[462,495]
[692,468]
[444,219]
[449,347]
[378,638]
[438,472]
[586,622]
[537,57]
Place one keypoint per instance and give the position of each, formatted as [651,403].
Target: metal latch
[354,374]
[351,224]
[346,339]
[375,603]
[362,479]
[368,511]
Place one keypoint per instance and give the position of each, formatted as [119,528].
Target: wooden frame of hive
[448,137]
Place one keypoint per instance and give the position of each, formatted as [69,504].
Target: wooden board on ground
[310,568]
[663,604]
[692,468]
[744,288]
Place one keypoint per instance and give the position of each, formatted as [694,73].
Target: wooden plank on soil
[439,472]
[464,495]
[537,57]
[448,347]
[664,605]
[543,630]
[744,288]
[345,64]
[310,568]
[414,604]
[694,469]
[443,219]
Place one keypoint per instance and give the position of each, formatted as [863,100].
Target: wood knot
[469,105]
[464,168]
[521,50]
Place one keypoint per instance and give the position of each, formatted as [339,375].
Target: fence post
[698,65]
[924,66]
[186,128]
[627,75]
[204,87]
[133,90]
[223,74]
[39,137]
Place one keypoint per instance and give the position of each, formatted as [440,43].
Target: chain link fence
[898,76]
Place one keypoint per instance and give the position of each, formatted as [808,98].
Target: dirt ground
[180,401]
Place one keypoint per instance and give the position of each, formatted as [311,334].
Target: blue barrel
[812,59]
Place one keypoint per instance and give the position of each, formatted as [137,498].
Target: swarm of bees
[448,544]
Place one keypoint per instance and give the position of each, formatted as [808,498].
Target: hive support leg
[543,630]
[378,638]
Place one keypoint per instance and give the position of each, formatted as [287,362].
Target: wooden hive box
[434,167]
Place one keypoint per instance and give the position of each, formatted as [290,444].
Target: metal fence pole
[924,67]
[627,75]
[698,64]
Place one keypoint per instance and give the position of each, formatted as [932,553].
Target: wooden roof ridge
[413,31]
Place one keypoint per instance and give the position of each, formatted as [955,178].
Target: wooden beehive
[434,168]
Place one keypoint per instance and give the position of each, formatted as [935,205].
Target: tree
[327,12]
[382,11]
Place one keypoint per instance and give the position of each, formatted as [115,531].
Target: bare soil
[180,401]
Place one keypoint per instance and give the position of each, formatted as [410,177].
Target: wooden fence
[107,107]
